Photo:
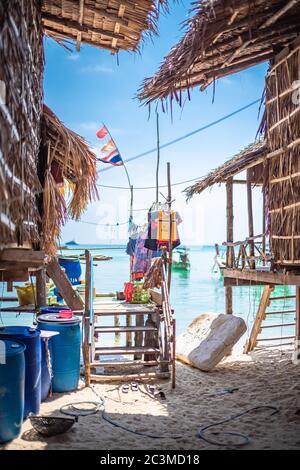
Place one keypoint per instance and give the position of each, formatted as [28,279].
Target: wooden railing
[251,253]
[169,326]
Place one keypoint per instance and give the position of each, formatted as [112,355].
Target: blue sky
[89,88]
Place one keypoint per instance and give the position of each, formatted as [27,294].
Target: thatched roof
[249,157]
[70,159]
[110,24]
[222,38]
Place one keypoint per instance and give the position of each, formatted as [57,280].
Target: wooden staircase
[144,350]
[260,323]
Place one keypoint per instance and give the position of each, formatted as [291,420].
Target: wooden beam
[261,315]
[279,14]
[64,286]
[250,219]
[41,294]
[230,250]
[261,277]
[298,316]
[23,256]
[80,21]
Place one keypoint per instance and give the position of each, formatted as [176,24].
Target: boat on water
[181,261]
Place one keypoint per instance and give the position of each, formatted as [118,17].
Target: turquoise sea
[192,293]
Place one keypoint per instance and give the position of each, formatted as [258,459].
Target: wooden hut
[223,38]
[37,152]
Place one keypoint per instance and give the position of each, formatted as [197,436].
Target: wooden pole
[174,354]
[41,291]
[128,317]
[158,155]
[86,322]
[297,342]
[230,252]
[170,228]
[264,246]
[250,220]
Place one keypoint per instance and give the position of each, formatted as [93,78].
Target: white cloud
[89,126]
[97,68]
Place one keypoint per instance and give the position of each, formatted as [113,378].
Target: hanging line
[207,126]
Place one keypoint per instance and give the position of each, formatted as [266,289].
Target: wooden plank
[130,377]
[123,363]
[261,315]
[275,339]
[16,275]
[122,329]
[64,286]
[117,350]
[23,255]
[263,277]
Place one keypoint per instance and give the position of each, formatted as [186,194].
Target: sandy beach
[265,378]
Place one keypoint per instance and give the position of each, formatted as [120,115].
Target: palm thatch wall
[71,162]
[109,24]
[223,37]
[21,73]
[251,157]
[282,123]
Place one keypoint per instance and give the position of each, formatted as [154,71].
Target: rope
[244,439]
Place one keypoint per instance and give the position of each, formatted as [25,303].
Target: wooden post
[170,228]
[86,322]
[41,292]
[174,354]
[230,252]
[250,220]
[158,156]
[138,337]
[297,341]
[64,286]
[264,227]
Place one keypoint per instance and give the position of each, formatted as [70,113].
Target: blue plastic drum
[30,337]
[12,386]
[65,349]
[72,268]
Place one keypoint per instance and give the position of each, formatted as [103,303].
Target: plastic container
[12,387]
[65,349]
[30,337]
[72,268]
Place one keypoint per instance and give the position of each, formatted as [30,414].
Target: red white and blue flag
[109,153]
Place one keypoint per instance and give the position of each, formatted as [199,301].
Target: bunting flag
[113,158]
[109,146]
[102,133]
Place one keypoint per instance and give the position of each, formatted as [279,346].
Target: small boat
[181,261]
[81,257]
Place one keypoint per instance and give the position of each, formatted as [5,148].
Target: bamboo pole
[264,245]
[297,342]
[229,254]
[170,228]
[158,155]
[250,219]
[86,323]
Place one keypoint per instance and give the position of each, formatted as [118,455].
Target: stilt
[41,291]
[230,252]
[250,220]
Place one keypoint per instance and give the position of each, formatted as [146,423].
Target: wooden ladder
[147,351]
[262,313]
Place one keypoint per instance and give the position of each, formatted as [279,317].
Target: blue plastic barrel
[12,386]
[72,268]
[30,337]
[65,351]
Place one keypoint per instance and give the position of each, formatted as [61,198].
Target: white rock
[208,339]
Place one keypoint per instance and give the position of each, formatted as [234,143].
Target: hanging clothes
[159,229]
[142,255]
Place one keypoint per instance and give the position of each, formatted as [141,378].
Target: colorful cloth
[142,256]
